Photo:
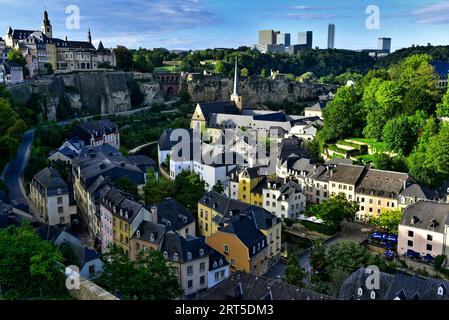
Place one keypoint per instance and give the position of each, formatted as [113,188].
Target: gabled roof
[50,179]
[173,214]
[243,226]
[121,204]
[149,231]
[80,45]
[424,213]
[245,286]
[292,146]
[226,107]
[173,243]
[384,183]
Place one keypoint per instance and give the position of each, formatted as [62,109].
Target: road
[14,171]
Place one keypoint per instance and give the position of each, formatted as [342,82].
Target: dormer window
[220,262]
[184,219]
[215,264]
[414,220]
[165,254]
[201,252]
[189,256]
[373,295]
[175,256]
[441,290]
[433,224]
[360,292]
[138,234]
[152,237]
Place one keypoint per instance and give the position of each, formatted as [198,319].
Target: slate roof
[216,260]
[393,286]
[165,143]
[244,228]
[347,174]
[125,206]
[441,68]
[50,179]
[416,191]
[222,204]
[173,243]
[151,232]
[226,107]
[263,219]
[245,286]
[85,255]
[49,233]
[292,146]
[19,34]
[289,189]
[80,45]
[96,129]
[274,117]
[142,162]
[382,183]
[426,212]
[173,215]
[318,106]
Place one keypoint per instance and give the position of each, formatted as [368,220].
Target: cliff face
[99,92]
[255,90]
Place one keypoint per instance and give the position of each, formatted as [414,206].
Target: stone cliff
[98,92]
[256,91]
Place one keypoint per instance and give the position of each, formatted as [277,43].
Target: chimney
[154,214]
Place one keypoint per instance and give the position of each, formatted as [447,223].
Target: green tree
[263,72]
[146,278]
[342,116]
[439,262]
[124,58]
[293,273]
[29,265]
[218,187]
[443,107]
[219,67]
[15,55]
[189,189]
[128,186]
[49,68]
[387,220]
[334,210]
[244,72]
[68,255]
[314,150]
[317,258]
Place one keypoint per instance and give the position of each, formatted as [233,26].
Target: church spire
[236,97]
[236,79]
[89,36]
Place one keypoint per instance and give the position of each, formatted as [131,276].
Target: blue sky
[198,24]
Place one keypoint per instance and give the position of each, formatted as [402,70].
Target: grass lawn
[166,69]
[376,145]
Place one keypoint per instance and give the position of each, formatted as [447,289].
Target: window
[410,233]
[92,269]
[429,237]
[233,262]
[190,284]
[59,200]
[410,243]
[202,280]
[190,270]
[429,247]
[60,210]
[202,266]
[62,220]
[226,248]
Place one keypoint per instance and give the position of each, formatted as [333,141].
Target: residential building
[398,286]
[190,259]
[127,215]
[243,244]
[306,38]
[148,237]
[442,70]
[13,74]
[384,45]
[96,133]
[91,170]
[90,263]
[218,269]
[379,190]
[316,110]
[331,36]
[424,229]
[174,216]
[284,200]
[51,196]
[243,286]
[57,235]
[67,151]
[246,185]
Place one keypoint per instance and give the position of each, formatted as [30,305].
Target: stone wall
[99,92]
[255,90]
[90,291]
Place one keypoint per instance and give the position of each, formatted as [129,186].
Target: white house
[284,200]
[218,269]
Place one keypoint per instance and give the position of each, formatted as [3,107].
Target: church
[41,49]
[214,117]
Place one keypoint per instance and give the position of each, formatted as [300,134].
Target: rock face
[255,90]
[99,92]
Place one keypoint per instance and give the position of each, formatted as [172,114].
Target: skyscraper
[384,45]
[283,38]
[268,37]
[331,36]
[306,39]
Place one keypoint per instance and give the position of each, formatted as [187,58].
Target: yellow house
[243,245]
[249,184]
[216,211]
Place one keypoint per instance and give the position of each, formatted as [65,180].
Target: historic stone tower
[236,97]
[46,27]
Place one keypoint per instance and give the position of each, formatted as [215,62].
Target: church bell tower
[236,97]
[46,27]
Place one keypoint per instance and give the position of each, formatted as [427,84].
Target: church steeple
[46,27]
[236,97]
[89,36]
